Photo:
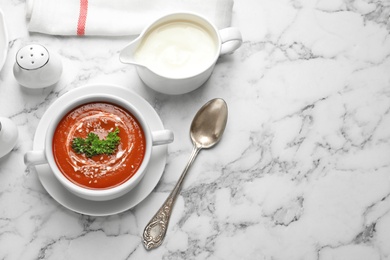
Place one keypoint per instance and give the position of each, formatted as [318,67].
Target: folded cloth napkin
[115,17]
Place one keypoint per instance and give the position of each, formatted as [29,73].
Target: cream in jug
[177,49]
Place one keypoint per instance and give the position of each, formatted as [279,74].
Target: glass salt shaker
[8,135]
[36,67]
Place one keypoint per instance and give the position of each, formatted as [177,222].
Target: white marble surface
[302,172]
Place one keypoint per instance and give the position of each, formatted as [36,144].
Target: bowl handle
[162,137]
[35,158]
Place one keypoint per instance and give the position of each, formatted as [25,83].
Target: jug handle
[231,40]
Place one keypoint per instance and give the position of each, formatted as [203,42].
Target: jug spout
[127,53]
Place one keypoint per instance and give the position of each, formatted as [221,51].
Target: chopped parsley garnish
[92,145]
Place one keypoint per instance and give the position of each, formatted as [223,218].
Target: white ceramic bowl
[46,155]
[3,40]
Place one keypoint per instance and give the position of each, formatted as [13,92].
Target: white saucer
[3,40]
[129,200]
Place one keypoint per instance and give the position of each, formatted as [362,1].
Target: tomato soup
[104,170]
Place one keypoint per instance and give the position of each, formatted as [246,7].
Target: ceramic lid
[33,56]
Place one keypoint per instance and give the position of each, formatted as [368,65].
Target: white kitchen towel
[115,17]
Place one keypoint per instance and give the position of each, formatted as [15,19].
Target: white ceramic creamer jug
[177,53]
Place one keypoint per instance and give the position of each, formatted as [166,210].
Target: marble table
[302,171]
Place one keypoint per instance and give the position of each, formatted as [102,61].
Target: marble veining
[302,171]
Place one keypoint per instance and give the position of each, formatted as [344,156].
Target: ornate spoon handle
[156,229]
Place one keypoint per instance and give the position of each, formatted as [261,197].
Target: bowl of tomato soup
[98,146]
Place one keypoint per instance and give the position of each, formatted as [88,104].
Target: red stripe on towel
[82,17]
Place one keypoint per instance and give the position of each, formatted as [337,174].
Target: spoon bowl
[209,123]
[206,131]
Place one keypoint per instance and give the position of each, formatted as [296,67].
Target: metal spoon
[206,130]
